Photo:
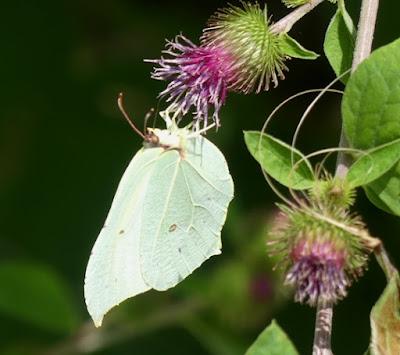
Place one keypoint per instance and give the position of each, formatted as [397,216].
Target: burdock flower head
[198,76]
[238,52]
[322,247]
[246,32]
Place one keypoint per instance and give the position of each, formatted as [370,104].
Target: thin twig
[365,34]
[285,24]
[89,339]
[384,261]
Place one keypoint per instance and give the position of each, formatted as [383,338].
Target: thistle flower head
[321,249]
[238,52]
[318,272]
[245,33]
[198,76]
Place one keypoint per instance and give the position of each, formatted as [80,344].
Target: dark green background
[64,146]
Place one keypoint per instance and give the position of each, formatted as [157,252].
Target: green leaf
[346,17]
[36,294]
[385,321]
[374,164]
[339,42]
[386,191]
[295,50]
[274,157]
[371,112]
[371,102]
[272,341]
[374,198]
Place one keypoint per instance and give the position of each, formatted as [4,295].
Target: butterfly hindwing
[183,228]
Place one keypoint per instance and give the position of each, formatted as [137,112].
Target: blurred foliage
[64,146]
[38,296]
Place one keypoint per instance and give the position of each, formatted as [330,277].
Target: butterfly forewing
[113,273]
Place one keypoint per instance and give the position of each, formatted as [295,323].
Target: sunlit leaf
[371,102]
[339,42]
[385,321]
[275,157]
[374,164]
[272,341]
[295,50]
[376,200]
[371,111]
[386,191]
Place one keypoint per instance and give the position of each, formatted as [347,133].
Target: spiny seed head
[244,32]
[238,52]
[320,249]
[333,192]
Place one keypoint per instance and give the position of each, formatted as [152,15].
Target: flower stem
[384,261]
[323,329]
[285,24]
[365,35]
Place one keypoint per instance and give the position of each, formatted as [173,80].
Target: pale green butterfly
[165,219]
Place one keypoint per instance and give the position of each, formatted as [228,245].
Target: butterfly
[165,219]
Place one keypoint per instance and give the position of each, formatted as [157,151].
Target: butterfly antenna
[126,116]
[157,110]
[148,116]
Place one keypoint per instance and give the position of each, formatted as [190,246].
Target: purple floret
[198,76]
[318,272]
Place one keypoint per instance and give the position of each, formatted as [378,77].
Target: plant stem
[365,34]
[323,329]
[384,262]
[286,23]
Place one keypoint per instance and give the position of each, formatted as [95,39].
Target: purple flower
[320,244]
[238,52]
[317,272]
[198,76]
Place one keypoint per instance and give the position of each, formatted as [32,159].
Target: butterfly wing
[183,213]
[113,273]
